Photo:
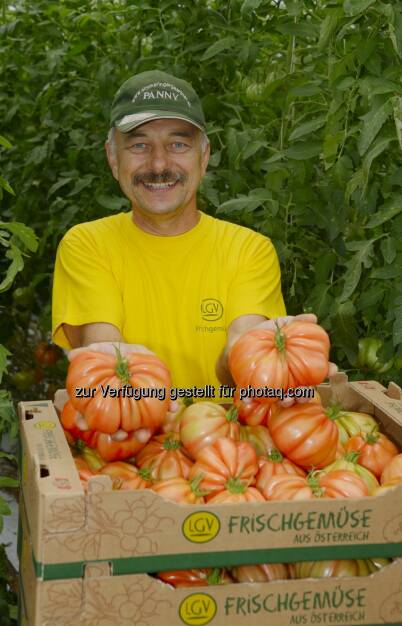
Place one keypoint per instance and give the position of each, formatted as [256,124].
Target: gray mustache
[164,177]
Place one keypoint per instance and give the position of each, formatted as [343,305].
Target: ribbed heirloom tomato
[203,423]
[265,572]
[108,448]
[375,450]
[164,457]
[250,411]
[196,577]
[392,472]
[223,460]
[336,569]
[304,433]
[335,484]
[91,370]
[126,476]
[180,490]
[272,464]
[291,356]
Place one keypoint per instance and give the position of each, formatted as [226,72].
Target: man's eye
[179,145]
[137,146]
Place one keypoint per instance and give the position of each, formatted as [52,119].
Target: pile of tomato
[252,451]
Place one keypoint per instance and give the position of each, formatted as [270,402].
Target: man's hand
[109,347]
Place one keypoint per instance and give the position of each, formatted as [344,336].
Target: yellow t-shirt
[175,295]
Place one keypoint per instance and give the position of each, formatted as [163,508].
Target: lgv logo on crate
[201,527]
[198,608]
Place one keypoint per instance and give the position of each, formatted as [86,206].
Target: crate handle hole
[29,415]
[44,471]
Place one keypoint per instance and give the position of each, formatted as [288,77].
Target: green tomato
[22,296]
[368,355]
[368,348]
[23,380]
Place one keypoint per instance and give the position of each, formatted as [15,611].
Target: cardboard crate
[99,598]
[138,531]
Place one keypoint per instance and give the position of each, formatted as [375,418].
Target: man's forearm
[80,336]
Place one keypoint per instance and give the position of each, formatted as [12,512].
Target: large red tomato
[126,476]
[164,457]
[180,490]
[304,433]
[350,423]
[250,411]
[335,569]
[108,448]
[236,492]
[258,436]
[203,423]
[267,572]
[375,450]
[292,356]
[350,462]
[223,460]
[196,577]
[392,472]
[335,484]
[271,465]
[98,371]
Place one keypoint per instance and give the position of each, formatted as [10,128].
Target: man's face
[159,166]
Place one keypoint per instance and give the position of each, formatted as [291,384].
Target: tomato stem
[352,456]
[214,577]
[312,481]
[171,442]
[274,455]
[122,367]
[231,414]
[235,485]
[373,436]
[280,339]
[195,486]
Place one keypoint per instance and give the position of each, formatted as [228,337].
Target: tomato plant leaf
[372,123]
[352,7]
[6,185]
[307,127]
[386,212]
[4,354]
[4,142]
[216,48]
[24,233]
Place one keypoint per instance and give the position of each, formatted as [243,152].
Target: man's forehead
[170,126]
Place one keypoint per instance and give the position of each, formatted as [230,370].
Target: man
[163,277]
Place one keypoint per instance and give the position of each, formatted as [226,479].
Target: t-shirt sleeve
[84,288]
[256,288]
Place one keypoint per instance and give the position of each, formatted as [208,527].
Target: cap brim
[129,122]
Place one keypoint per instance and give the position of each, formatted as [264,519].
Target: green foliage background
[304,106]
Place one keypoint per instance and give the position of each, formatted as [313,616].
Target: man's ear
[205,159]
[112,159]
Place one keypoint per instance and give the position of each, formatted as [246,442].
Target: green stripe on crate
[149,564]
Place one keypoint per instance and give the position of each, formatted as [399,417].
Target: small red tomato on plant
[47,353]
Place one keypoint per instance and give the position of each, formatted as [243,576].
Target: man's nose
[159,159]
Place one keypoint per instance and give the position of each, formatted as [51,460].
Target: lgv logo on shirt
[211,309]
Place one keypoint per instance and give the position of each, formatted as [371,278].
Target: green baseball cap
[155,95]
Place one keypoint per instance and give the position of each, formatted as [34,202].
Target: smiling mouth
[160,186]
